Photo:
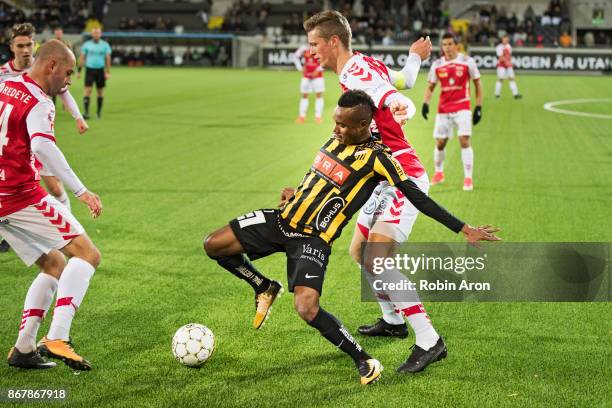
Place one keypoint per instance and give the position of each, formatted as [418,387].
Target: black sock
[333,330]
[100,100]
[240,266]
[86,104]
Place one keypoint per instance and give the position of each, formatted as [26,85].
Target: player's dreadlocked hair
[22,29]
[330,22]
[357,98]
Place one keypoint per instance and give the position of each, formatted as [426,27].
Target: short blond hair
[329,23]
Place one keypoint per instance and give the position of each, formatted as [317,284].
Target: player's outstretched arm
[47,152]
[429,207]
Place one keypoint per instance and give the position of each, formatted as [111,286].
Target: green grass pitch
[180,152]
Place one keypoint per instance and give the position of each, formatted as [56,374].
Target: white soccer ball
[193,344]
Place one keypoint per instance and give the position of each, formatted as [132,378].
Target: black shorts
[95,75]
[264,232]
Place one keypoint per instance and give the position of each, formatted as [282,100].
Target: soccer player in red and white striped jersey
[22,46]
[312,82]
[34,223]
[504,68]
[454,71]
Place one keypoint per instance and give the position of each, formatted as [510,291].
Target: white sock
[467,155]
[498,86]
[318,107]
[408,303]
[303,107]
[439,159]
[514,88]
[36,304]
[64,200]
[389,314]
[426,335]
[70,293]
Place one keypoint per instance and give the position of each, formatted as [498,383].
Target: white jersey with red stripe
[8,71]
[308,64]
[504,55]
[26,112]
[371,75]
[454,76]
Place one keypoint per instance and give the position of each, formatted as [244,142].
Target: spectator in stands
[565,40]
[589,39]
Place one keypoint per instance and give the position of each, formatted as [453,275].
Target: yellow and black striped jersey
[341,180]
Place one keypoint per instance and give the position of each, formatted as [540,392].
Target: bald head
[54,50]
[53,66]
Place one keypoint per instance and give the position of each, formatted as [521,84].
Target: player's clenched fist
[399,112]
[93,202]
[286,194]
[421,47]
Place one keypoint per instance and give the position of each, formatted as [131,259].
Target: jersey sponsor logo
[313,255]
[331,169]
[328,212]
[370,206]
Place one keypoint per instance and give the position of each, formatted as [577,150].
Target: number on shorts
[4,118]
[252,218]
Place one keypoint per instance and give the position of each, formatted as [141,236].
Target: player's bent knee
[306,305]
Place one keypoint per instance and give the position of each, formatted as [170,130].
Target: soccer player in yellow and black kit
[345,172]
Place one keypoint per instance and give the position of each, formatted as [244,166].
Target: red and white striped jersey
[372,76]
[310,67]
[504,55]
[26,112]
[8,70]
[454,77]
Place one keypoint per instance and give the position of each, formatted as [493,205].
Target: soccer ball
[193,344]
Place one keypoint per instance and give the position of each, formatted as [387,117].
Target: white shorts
[505,73]
[447,122]
[39,228]
[316,85]
[389,212]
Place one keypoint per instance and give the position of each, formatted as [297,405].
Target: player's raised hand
[286,194]
[482,233]
[399,112]
[425,110]
[82,126]
[422,47]
[477,115]
[93,202]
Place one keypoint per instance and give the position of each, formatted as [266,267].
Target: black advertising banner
[523,59]
[493,272]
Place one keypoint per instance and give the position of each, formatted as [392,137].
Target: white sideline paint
[550,106]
